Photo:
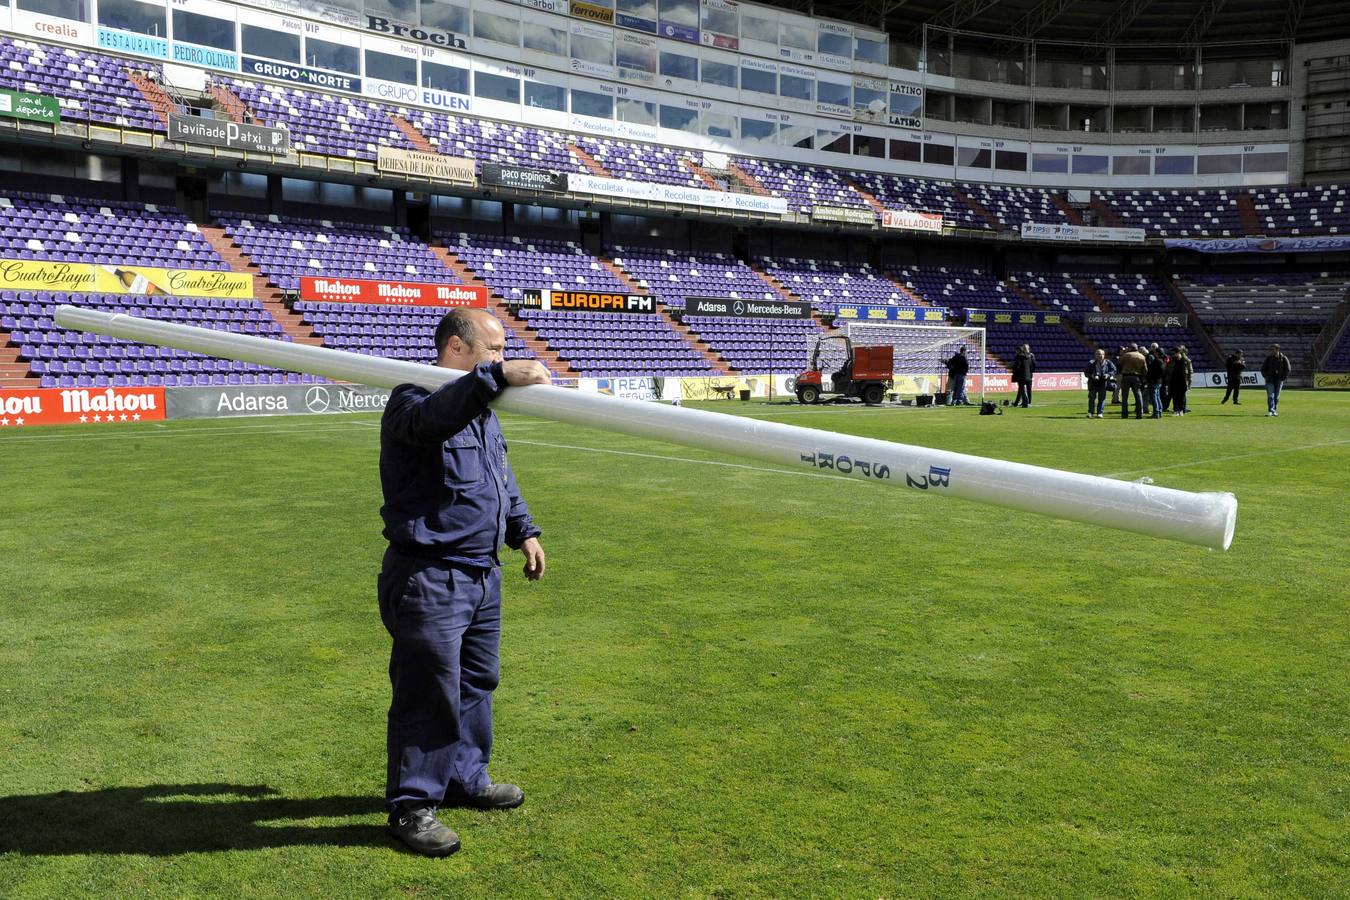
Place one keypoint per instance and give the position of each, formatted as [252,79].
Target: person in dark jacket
[957,368]
[1100,372]
[1234,365]
[1024,367]
[1275,370]
[450,505]
[1179,380]
[1153,381]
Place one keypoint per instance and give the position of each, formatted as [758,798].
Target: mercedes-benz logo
[739,308]
[317,399]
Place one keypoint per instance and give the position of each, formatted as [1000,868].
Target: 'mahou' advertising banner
[29,106]
[424,165]
[22,407]
[1135,320]
[522,179]
[912,221]
[746,309]
[230,135]
[47,275]
[858,313]
[1012,317]
[391,293]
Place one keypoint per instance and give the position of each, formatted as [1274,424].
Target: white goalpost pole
[1206,519]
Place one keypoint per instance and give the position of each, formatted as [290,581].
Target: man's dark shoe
[423,832]
[496,796]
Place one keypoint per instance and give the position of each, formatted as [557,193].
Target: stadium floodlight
[1206,519]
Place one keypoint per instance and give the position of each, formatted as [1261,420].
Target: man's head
[469,337]
[1134,348]
[1274,349]
[961,350]
[1099,355]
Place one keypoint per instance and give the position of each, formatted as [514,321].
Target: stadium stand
[91,87]
[673,275]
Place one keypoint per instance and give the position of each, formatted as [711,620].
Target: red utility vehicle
[866,372]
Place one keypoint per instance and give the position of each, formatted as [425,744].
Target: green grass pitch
[733,682]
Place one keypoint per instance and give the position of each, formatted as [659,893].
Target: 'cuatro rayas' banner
[77,406]
[392,293]
[49,275]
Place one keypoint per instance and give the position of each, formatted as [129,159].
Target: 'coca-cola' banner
[392,293]
[80,406]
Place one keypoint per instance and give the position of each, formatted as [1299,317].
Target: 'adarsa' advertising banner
[747,309]
[391,293]
[48,275]
[22,407]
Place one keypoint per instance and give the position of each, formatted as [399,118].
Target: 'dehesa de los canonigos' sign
[47,275]
[425,165]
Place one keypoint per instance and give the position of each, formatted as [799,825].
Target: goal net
[921,354]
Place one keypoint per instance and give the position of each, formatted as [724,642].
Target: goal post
[922,351]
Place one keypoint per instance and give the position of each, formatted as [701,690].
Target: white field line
[170,432]
[1215,459]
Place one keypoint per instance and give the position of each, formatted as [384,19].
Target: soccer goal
[920,353]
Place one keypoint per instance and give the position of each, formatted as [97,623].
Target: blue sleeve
[414,416]
[519,526]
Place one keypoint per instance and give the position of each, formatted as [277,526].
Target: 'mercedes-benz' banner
[746,309]
[596,301]
[330,81]
[458,170]
[230,135]
[47,275]
[1012,317]
[1043,231]
[522,179]
[22,407]
[391,293]
[862,313]
[29,106]
[672,193]
[1135,320]
[848,215]
[910,220]
[1261,245]
[223,402]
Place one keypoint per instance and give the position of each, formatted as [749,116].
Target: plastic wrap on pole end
[1225,505]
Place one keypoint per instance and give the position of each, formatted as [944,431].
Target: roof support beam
[1292,18]
[1199,26]
[1120,20]
[954,16]
[1037,19]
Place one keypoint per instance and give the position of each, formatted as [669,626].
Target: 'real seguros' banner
[84,278]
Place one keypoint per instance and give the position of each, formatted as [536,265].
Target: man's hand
[534,557]
[520,372]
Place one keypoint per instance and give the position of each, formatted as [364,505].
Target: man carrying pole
[450,504]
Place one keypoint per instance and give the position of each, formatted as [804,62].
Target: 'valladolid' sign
[230,135]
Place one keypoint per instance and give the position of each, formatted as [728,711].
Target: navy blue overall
[450,503]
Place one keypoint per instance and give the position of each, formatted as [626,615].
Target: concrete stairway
[1247,215]
[159,101]
[748,181]
[977,207]
[868,197]
[701,174]
[1074,216]
[14,374]
[415,137]
[229,101]
[779,288]
[267,294]
[1105,214]
[588,161]
[1089,291]
[560,367]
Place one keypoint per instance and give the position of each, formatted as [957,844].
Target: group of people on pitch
[1158,379]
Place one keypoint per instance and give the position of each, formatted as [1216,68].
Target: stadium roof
[1159,22]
